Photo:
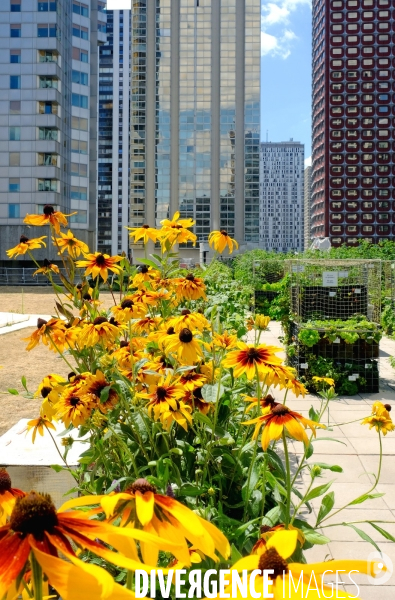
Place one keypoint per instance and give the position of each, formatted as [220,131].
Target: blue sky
[286,71]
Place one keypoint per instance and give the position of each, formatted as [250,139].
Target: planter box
[343,302]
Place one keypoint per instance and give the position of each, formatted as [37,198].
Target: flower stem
[129,580]
[57,449]
[288,481]
[37,577]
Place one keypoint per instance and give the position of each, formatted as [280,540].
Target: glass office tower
[195,114]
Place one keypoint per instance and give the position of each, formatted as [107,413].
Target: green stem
[249,477]
[60,353]
[57,449]
[301,502]
[129,580]
[37,577]
[263,489]
[288,480]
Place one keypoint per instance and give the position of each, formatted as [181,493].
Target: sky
[286,70]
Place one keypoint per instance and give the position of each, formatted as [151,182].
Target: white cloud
[307,162]
[276,15]
[119,4]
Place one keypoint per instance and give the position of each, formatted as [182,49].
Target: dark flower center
[23,239]
[112,321]
[197,393]
[161,393]
[185,335]
[79,286]
[48,210]
[268,401]
[272,560]
[41,323]
[74,401]
[141,485]
[185,311]
[71,375]
[170,331]
[145,227]
[46,263]
[34,514]
[124,344]
[87,297]
[144,268]
[265,529]
[280,410]
[253,353]
[100,260]
[100,320]
[388,407]
[45,391]
[190,277]
[127,303]
[223,232]
[5,481]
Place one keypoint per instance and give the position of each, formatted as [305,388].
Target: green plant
[309,337]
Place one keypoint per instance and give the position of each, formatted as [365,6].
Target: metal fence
[24,276]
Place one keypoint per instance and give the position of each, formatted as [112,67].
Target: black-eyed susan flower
[267,532]
[50,216]
[67,241]
[328,380]
[50,332]
[382,422]
[176,231]
[225,340]
[280,418]
[37,530]
[190,287]
[39,426]
[195,400]
[99,264]
[94,385]
[127,310]
[145,325]
[145,233]
[266,404]
[26,245]
[74,406]
[249,358]
[380,409]
[99,331]
[189,320]
[8,496]
[144,274]
[275,557]
[163,516]
[47,268]
[219,240]
[164,399]
[191,380]
[261,322]
[186,346]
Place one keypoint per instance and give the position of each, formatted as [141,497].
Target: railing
[24,276]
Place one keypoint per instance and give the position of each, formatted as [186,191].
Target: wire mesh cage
[388,282]
[335,289]
[267,276]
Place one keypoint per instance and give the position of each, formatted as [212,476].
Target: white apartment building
[307,207]
[281,198]
[48,114]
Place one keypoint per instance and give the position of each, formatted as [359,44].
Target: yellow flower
[327,380]
[267,403]
[189,320]
[50,389]
[128,310]
[225,340]
[186,346]
[269,532]
[219,240]
[381,423]
[74,406]
[176,231]
[144,233]
[145,274]
[49,332]
[381,409]
[165,405]
[249,358]
[98,331]
[281,417]
[8,496]
[38,425]
[99,264]
[195,400]
[145,325]
[191,380]
[261,322]
[25,244]
[191,288]
[94,386]
[47,268]
[49,217]
[68,242]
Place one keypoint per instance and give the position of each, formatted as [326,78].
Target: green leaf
[13,391]
[211,392]
[176,451]
[318,491]
[23,382]
[104,394]
[364,536]
[189,490]
[313,415]
[365,497]
[327,504]
[310,450]
[272,517]
[384,533]
[234,554]
[313,537]
[57,468]
[320,439]
[333,468]
[203,419]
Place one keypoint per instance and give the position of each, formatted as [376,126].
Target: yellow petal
[145,504]
[248,563]
[80,501]
[284,542]
[109,503]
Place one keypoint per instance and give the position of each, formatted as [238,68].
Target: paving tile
[371,592]
[387,468]
[389,490]
[343,533]
[371,445]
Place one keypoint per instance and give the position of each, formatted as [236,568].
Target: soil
[15,361]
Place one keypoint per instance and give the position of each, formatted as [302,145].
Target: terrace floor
[356,450]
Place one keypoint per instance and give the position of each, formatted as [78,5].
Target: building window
[14,159]
[15,134]
[48,56]
[15,31]
[80,217]
[80,32]
[48,108]
[47,185]
[48,133]
[47,6]
[79,146]
[79,54]
[48,160]
[79,100]
[14,184]
[15,6]
[13,211]
[48,82]
[79,123]
[15,56]
[79,169]
[45,30]
[79,77]
[15,107]
[80,9]
[15,82]
[79,193]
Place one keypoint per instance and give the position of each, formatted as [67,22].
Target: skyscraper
[48,112]
[307,207]
[114,128]
[353,128]
[195,114]
[281,203]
